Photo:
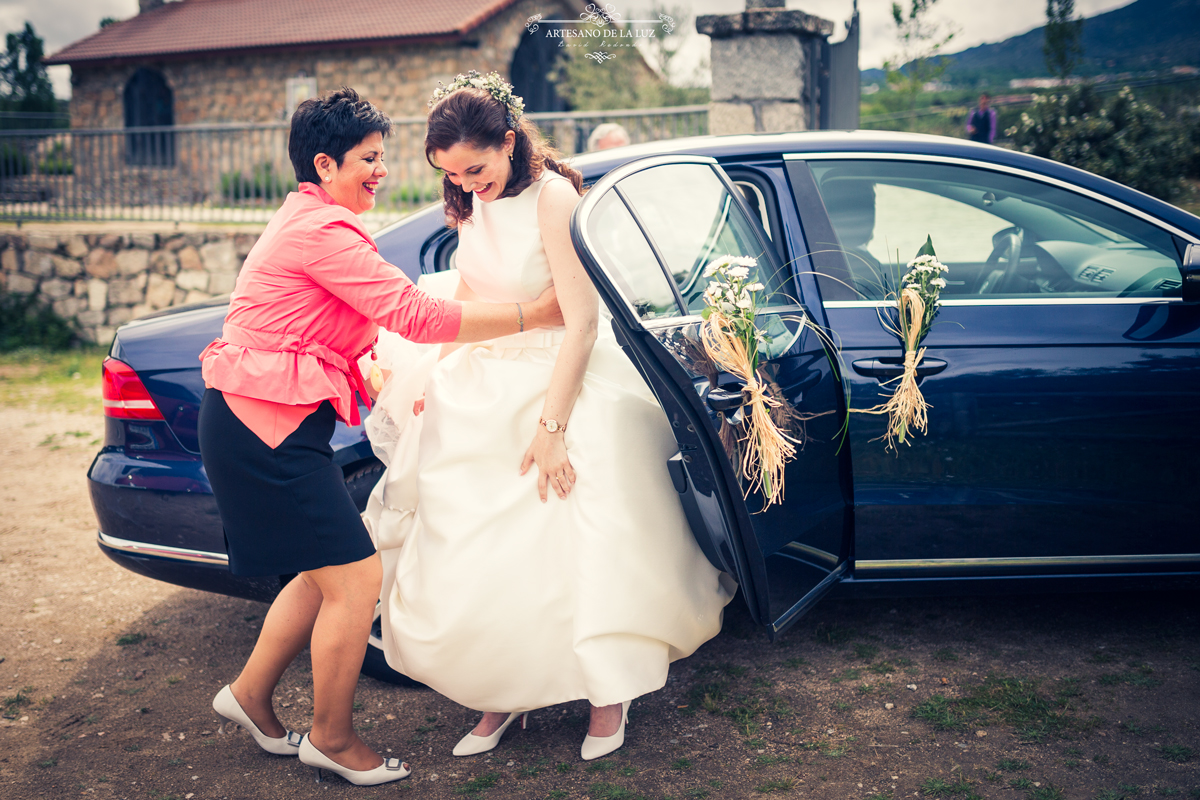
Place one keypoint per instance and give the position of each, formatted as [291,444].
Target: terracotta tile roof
[208,26]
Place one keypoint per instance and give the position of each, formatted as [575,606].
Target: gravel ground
[106,679]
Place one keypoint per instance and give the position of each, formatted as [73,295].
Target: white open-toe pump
[230,710]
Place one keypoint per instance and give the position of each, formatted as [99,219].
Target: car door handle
[725,400]
[890,368]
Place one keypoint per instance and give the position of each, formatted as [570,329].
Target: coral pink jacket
[308,304]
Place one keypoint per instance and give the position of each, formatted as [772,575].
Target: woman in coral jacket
[308,304]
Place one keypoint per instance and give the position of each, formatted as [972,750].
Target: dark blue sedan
[1062,372]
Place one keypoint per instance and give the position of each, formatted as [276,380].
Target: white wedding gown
[492,598]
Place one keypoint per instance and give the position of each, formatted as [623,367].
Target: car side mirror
[1191,274]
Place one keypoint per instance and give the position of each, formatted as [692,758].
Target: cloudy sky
[61,22]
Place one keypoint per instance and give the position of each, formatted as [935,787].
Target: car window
[692,219]
[628,260]
[1000,235]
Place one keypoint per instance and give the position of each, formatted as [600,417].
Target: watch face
[552,425]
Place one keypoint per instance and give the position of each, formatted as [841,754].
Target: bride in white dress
[534,548]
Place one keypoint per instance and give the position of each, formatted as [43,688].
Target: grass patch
[945,654]
[1176,753]
[778,785]
[1122,792]
[67,379]
[1047,792]
[600,766]
[49,762]
[1140,675]
[865,652]
[795,663]
[1014,701]
[681,764]
[479,784]
[129,639]
[834,635]
[769,760]
[610,791]
[13,704]
[851,674]
[936,787]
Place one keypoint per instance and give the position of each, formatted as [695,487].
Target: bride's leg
[491,722]
[605,720]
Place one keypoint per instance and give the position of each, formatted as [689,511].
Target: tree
[921,41]
[27,86]
[1064,38]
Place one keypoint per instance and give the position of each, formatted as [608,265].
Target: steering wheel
[1001,268]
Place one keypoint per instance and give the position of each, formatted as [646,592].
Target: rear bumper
[194,569]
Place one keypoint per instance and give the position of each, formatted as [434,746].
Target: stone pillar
[765,68]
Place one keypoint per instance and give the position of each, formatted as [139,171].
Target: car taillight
[125,397]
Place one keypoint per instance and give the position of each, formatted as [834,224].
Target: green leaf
[706,313]
[927,248]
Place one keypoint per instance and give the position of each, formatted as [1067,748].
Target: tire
[359,484]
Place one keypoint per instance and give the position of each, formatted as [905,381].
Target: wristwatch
[552,425]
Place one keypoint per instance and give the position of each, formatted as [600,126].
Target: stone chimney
[766,68]
[148,5]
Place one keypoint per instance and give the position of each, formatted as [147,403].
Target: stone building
[222,61]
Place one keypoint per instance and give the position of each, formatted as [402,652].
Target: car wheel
[359,484]
[361,481]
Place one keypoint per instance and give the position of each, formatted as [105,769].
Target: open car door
[645,233]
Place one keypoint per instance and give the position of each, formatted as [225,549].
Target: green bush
[25,322]
[57,161]
[1121,139]
[263,182]
[14,162]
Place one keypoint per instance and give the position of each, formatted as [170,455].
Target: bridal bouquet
[733,342]
[917,304]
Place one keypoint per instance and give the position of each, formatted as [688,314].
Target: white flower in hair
[496,86]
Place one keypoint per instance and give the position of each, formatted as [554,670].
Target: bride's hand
[554,468]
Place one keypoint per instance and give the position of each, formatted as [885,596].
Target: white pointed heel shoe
[230,710]
[471,744]
[392,769]
[596,746]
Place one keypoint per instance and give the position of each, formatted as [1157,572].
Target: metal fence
[240,173]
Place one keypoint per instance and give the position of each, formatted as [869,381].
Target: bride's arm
[581,311]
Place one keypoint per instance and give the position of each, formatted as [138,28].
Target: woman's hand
[549,452]
[544,312]
[419,406]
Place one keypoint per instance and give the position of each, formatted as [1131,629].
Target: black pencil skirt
[284,510]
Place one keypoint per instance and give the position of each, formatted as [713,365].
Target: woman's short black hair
[332,125]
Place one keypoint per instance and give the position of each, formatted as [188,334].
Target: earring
[327,178]
[510,156]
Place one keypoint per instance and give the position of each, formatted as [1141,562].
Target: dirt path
[1090,696]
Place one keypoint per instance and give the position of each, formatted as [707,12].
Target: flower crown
[493,84]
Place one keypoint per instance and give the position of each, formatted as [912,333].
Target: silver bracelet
[520,317]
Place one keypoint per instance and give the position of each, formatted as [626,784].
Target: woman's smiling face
[484,172]
[354,183]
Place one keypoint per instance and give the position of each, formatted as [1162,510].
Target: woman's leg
[285,632]
[339,642]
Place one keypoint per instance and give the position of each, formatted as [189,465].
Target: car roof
[759,146]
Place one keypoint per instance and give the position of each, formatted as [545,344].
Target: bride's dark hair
[474,117]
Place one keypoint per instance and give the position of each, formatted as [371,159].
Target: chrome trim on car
[163,551]
[809,553]
[973,564]
[990,165]
[1018,301]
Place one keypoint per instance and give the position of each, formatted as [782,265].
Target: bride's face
[484,172]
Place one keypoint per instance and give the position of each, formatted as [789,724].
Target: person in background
[607,135]
[981,124]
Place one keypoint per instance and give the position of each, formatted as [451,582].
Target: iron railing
[240,173]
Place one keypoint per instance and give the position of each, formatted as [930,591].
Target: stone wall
[102,280]
[253,87]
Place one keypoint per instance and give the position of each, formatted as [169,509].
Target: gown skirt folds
[494,599]
[285,510]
